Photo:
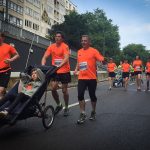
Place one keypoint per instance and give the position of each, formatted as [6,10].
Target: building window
[16,21]
[50,9]
[28,23]
[1,2]
[35,26]
[4,2]
[32,13]
[34,2]
[15,7]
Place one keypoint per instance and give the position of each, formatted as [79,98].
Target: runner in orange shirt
[86,65]
[111,67]
[60,58]
[137,65]
[147,73]
[8,54]
[125,74]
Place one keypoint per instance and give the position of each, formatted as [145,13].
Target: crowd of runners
[85,69]
[133,71]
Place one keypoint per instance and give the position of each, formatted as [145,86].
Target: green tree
[132,50]
[73,27]
[104,35]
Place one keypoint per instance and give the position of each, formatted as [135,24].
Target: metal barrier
[102,76]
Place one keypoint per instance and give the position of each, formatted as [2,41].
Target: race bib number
[57,62]
[138,68]
[29,87]
[83,66]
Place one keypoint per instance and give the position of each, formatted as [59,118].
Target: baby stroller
[32,107]
[118,81]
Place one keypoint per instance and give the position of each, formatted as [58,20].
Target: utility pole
[6,17]
[103,42]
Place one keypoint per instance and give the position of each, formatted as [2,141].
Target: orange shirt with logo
[111,67]
[148,67]
[6,52]
[125,67]
[87,63]
[58,54]
[137,65]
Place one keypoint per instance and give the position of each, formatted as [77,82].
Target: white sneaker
[4,113]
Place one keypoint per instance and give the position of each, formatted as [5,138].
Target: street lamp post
[6,17]
[103,42]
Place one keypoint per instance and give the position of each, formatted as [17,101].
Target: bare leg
[126,83]
[2,92]
[139,81]
[65,94]
[93,106]
[82,106]
[54,86]
[147,82]
[110,82]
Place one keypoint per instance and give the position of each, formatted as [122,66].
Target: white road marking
[131,83]
[75,104]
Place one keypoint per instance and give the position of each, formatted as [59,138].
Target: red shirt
[6,52]
[148,67]
[87,63]
[137,65]
[125,67]
[58,53]
[111,67]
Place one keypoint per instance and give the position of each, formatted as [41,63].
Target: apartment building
[36,16]
[15,11]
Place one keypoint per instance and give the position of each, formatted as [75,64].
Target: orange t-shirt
[58,53]
[87,63]
[125,67]
[111,67]
[137,65]
[6,51]
[148,67]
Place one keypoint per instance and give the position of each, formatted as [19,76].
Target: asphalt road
[123,123]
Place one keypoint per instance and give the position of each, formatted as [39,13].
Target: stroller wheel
[48,117]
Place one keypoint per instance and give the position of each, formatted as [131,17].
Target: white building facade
[36,16]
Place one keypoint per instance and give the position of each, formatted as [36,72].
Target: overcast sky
[131,16]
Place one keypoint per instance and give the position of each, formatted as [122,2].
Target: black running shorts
[87,84]
[4,78]
[137,72]
[112,74]
[125,75]
[64,78]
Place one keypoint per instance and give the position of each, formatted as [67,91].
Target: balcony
[20,33]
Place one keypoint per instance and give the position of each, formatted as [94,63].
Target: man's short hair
[60,32]
[86,36]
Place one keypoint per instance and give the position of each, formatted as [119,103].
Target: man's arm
[46,55]
[64,61]
[76,69]
[13,58]
[44,58]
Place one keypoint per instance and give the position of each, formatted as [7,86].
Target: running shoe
[4,113]
[93,116]
[109,89]
[66,112]
[82,118]
[58,109]
[139,90]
